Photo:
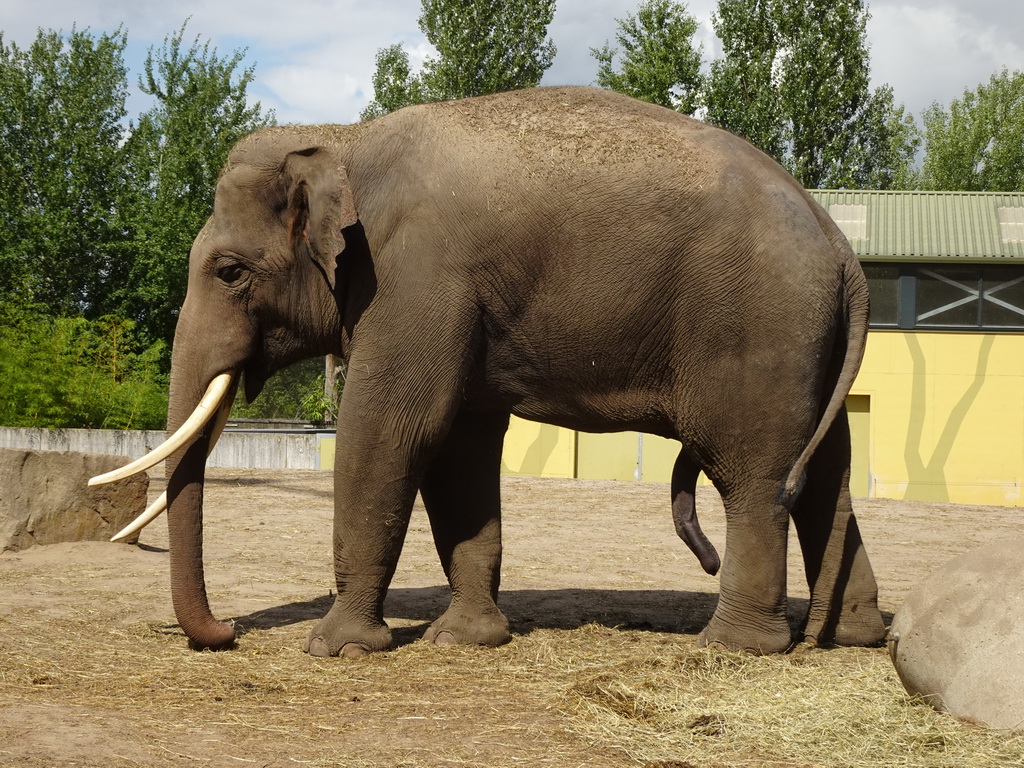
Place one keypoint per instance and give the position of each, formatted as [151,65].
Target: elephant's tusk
[153,511]
[206,409]
[158,507]
[223,414]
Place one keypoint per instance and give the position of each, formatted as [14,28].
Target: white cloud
[934,53]
[312,95]
[315,58]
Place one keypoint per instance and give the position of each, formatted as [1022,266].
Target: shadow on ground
[670,611]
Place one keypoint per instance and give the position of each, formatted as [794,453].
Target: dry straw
[88,676]
[841,707]
[589,696]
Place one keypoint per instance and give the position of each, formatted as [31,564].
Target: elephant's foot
[860,624]
[337,636]
[775,638]
[462,627]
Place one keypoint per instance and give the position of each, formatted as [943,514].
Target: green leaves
[175,153]
[97,216]
[794,80]
[61,106]
[61,372]
[659,62]
[977,144]
[483,47]
[394,85]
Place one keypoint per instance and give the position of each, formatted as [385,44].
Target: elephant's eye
[232,274]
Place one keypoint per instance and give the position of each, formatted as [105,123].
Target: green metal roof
[929,226]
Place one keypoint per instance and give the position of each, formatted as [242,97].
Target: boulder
[958,640]
[45,499]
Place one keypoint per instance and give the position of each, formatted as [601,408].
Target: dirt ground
[94,671]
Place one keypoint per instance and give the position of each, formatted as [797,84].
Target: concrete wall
[270,450]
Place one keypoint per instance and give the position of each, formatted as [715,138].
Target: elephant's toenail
[353,650]
[318,647]
[444,638]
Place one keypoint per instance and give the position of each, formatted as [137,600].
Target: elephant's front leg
[390,424]
[462,495]
[374,495]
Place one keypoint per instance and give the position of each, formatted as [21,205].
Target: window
[946,296]
[883,286]
[1002,297]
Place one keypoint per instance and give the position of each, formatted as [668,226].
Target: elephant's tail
[856,306]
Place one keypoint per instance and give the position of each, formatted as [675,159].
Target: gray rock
[45,499]
[958,640]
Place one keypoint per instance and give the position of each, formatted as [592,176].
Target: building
[937,412]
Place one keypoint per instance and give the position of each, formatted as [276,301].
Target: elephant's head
[261,295]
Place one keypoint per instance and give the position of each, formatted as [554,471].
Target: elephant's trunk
[194,424]
[185,479]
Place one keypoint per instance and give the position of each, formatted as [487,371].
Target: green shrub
[73,372]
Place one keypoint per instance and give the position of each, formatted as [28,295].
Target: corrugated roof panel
[903,225]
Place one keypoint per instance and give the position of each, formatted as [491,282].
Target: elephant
[568,255]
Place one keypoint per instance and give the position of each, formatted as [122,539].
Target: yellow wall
[933,417]
[325,446]
[946,416]
[625,456]
[538,449]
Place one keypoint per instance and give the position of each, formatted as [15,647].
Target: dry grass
[92,673]
[589,696]
[812,707]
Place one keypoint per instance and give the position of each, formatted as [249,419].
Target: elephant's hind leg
[844,595]
[751,612]
[462,495]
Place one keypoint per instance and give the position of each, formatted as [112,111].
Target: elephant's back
[558,133]
[560,146]
[646,181]
[558,126]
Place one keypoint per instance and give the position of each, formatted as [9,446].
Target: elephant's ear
[320,206]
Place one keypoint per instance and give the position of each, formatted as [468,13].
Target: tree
[741,91]
[174,154]
[61,106]
[882,155]
[97,216]
[793,79]
[295,392]
[977,144]
[660,63]
[483,46]
[60,372]
[394,85]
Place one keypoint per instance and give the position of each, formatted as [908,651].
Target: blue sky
[314,58]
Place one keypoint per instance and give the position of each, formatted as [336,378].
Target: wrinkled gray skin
[568,255]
